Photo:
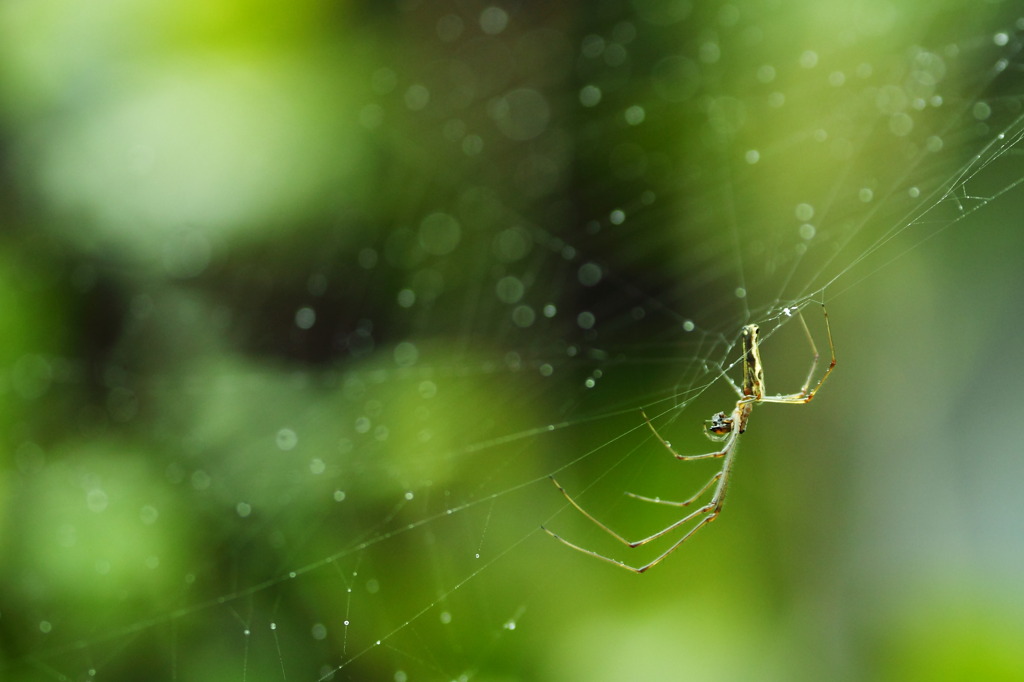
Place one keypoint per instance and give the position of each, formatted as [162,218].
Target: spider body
[722,427]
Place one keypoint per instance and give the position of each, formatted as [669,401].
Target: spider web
[326,454]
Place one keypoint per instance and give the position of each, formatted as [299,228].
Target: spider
[722,427]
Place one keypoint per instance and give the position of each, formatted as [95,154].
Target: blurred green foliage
[301,303]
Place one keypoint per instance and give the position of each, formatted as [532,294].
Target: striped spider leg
[722,427]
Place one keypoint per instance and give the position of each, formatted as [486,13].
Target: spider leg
[805,396]
[703,522]
[685,458]
[583,511]
[709,509]
[700,493]
[814,349]
[631,543]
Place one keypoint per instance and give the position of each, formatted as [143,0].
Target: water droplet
[368,258]
[406,298]
[439,234]
[449,28]
[406,354]
[523,316]
[589,274]
[590,95]
[305,318]
[635,115]
[901,124]
[287,439]
[200,480]
[493,20]
[417,97]
[472,145]
[510,289]
[809,59]
[148,514]
[710,52]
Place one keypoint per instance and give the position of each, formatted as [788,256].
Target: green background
[303,302]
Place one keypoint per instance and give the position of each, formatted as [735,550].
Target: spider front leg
[720,424]
[805,396]
[720,427]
